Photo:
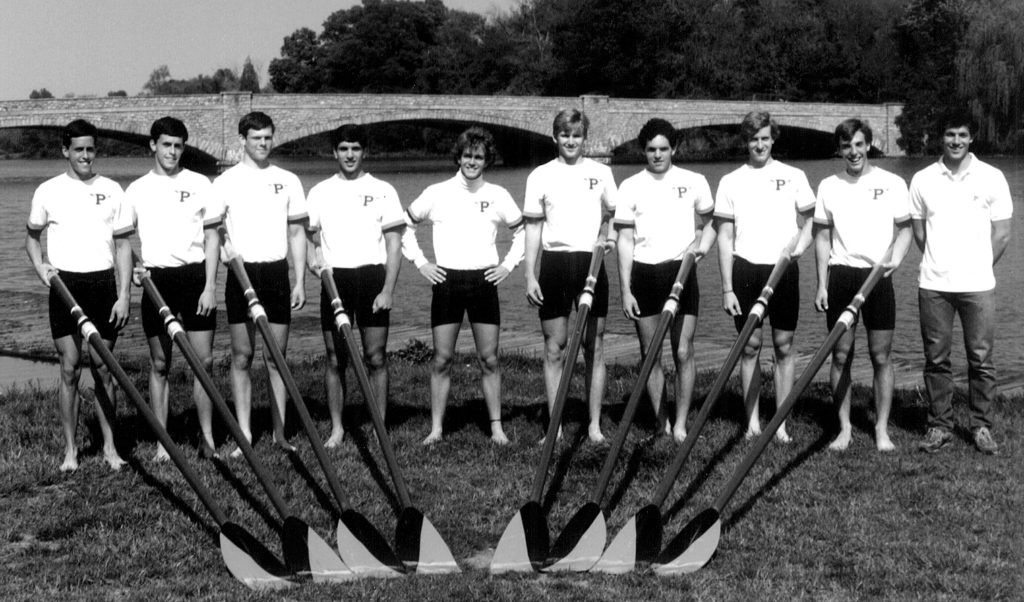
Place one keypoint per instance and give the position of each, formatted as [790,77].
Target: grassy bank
[807,523]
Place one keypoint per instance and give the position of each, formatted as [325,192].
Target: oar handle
[91,334]
[177,334]
[344,326]
[259,316]
[754,318]
[845,322]
[569,364]
[651,354]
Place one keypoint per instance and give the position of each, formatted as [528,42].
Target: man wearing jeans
[961,208]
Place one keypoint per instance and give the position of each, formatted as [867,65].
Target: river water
[19,178]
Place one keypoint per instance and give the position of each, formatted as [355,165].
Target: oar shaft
[845,322]
[754,319]
[90,333]
[259,316]
[342,322]
[177,334]
[651,356]
[569,364]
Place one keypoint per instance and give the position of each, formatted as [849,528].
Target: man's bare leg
[556,336]
[334,382]
[202,342]
[839,378]
[445,336]
[486,338]
[375,342]
[242,341]
[278,392]
[880,347]
[159,366]
[67,397]
[596,375]
[750,378]
[686,370]
[105,405]
[785,372]
[655,385]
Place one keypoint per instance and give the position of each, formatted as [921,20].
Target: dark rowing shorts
[464,292]
[270,281]
[652,283]
[563,274]
[358,287]
[747,281]
[181,288]
[95,293]
[879,309]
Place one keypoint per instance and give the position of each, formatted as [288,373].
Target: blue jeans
[977,316]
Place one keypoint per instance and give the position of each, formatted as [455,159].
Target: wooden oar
[417,542]
[362,547]
[304,550]
[639,541]
[697,542]
[580,545]
[246,558]
[523,546]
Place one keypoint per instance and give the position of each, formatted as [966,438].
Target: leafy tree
[299,68]
[40,93]
[117,93]
[249,81]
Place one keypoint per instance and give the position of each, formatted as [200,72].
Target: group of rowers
[957,210]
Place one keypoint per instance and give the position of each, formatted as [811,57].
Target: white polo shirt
[661,210]
[352,217]
[258,206]
[82,219]
[861,212]
[572,200]
[764,204]
[169,213]
[465,216]
[958,211]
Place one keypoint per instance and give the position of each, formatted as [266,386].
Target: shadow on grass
[247,495]
[212,530]
[323,499]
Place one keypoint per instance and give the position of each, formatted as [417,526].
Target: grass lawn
[807,523]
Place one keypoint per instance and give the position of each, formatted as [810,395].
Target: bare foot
[161,454]
[335,439]
[883,443]
[283,444]
[594,433]
[841,442]
[207,451]
[432,438]
[753,432]
[679,435]
[782,436]
[498,434]
[558,437]
[113,460]
[668,428]
[237,452]
[70,463]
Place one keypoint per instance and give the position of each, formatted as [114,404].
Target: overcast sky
[97,46]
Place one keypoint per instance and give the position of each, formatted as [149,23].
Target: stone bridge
[213,119]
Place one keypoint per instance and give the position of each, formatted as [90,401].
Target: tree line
[931,55]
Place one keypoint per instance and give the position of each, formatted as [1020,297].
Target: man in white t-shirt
[658,210]
[355,227]
[961,209]
[761,208]
[568,201]
[854,218]
[265,220]
[176,218]
[465,212]
[87,244]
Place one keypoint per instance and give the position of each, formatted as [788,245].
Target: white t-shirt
[661,210]
[764,204]
[861,212]
[572,200]
[82,219]
[958,211]
[465,217]
[352,217]
[258,206]
[170,213]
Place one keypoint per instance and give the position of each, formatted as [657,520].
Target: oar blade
[524,545]
[420,546]
[324,564]
[249,561]
[363,548]
[294,545]
[580,544]
[638,542]
[693,547]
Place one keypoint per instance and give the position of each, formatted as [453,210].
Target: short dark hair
[846,130]
[168,126]
[348,132]
[954,119]
[472,138]
[754,121]
[570,119]
[257,120]
[657,127]
[77,129]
